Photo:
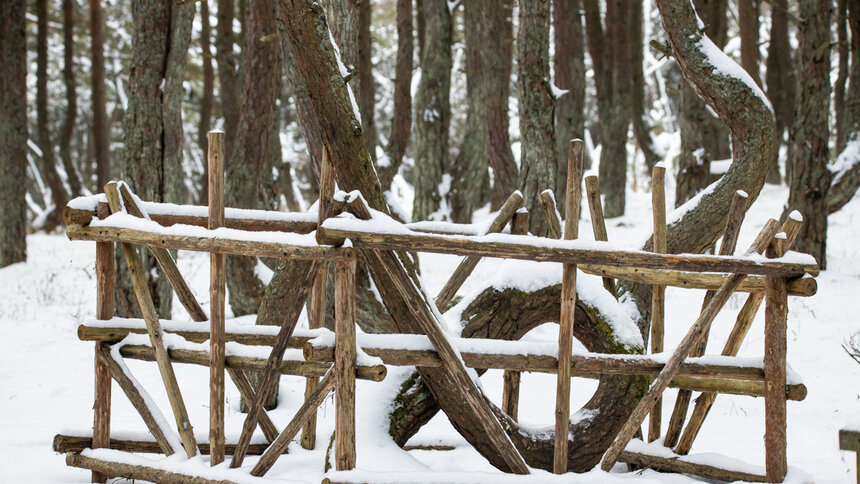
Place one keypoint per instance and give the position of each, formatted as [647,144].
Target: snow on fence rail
[316,237]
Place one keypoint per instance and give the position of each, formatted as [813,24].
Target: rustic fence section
[333,357]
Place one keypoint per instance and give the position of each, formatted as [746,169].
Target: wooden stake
[217,293]
[468,264]
[105,282]
[316,319]
[598,223]
[658,293]
[702,323]
[137,401]
[279,446]
[511,378]
[550,214]
[791,227]
[568,310]
[737,210]
[327,184]
[344,365]
[147,309]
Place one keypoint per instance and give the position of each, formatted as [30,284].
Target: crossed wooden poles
[611,264]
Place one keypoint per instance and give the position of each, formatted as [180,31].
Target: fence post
[344,364]
[105,282]
[775,318]
[217,296]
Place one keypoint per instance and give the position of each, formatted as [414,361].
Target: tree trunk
[498,57]
[639,115]
[569,69]
[160,37]
[207,100]
[13,132]
[839,88]
[228,72]
[433,111]
[49,172]
[613,155]
[781,79]
[597,53]
[249,166]
[101,128]
[536,105]
[703,137]
[748,24]
[366,87]
[810,177]
[471,164]
[68,128]
[401,124]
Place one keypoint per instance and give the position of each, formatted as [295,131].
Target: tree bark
[366,86]
[810,179]
[471,164]
[207,100]
[781,79]
[703,137]
[536,104]
[569,66]
[748,24]
[842,48]
[49,172]
[433,111]
[151,155]
[68,128]
[401,124]
[248,170]
[228,71]
[100,135]
[13,132]
[639,115]
[498,57]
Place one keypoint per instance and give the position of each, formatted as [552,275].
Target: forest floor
[46,373]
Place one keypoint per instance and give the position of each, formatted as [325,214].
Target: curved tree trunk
[536,105]
[433,110]
[13,132]
[401,124]
[810,133]
[68,128]
[569,67]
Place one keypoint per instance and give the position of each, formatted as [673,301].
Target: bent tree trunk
[740,105]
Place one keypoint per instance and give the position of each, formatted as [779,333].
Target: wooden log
[791,227]
[116,334]
[147,309]
[270,371]
[76,443]
[734,221]
[326,189]
[775,318]
[526,248]
[550,214]
[598,222]
[681,352]
[279,446]
[167,214]
[804,287]
[246,363]
[166,262]
[468,264]
[133,471]
[420,308]
[217,298]
[680,466]
[568,308]
[137,401]
[511,378]
[658,292]
[105,282]
[344,365]
[208,243]
[316,318]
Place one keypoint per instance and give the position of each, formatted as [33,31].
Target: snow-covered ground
[46,373]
